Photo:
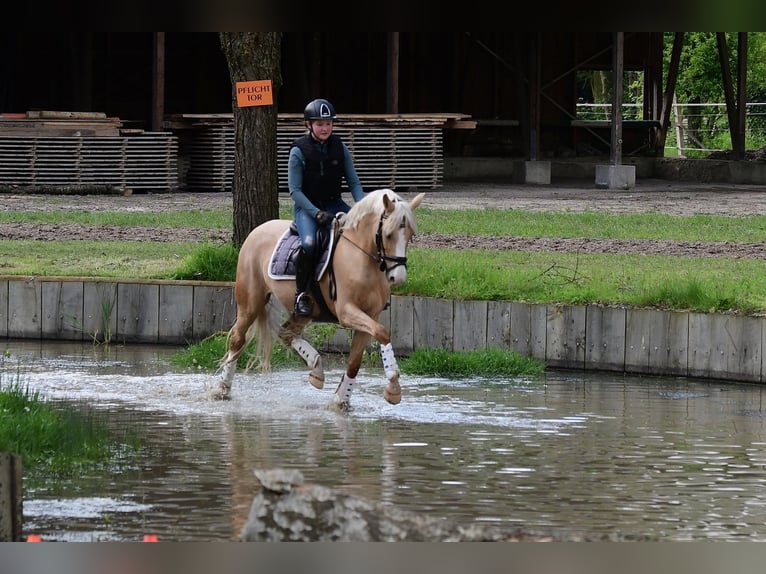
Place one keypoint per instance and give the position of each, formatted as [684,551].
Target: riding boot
[303,271]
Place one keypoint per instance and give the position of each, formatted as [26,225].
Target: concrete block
[615,176]
[535,172]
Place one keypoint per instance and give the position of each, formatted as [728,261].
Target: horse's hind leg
[239,337]
[290,334]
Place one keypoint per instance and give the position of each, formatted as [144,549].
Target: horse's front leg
[342,397]
[351,316]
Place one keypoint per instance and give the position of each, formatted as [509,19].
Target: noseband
[382,257]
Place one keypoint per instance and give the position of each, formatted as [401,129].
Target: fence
[696,130]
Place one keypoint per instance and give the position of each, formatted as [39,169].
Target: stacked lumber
[442,120]
[390,150]
[57,123]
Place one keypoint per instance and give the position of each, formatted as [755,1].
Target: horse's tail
[264,341]
[264,329]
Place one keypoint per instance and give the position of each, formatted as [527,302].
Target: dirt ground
[657,196]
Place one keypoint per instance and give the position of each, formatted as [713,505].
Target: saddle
[282,263]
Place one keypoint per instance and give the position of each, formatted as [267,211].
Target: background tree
[699,82]
[255,188]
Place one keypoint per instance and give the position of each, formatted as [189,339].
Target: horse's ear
[415,201]
[388,203]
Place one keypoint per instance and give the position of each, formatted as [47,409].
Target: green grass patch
[56,439]
[486,363]
[206,355]
[131,259]
[517,223]
[210,263]
[202,219]
[681,283]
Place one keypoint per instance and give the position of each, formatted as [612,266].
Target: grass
[493,363]
[683,283]
[203,219]
[134,259]
[206,354]
[54,439]
[494,222]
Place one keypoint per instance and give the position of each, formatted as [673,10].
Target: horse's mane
[372,202]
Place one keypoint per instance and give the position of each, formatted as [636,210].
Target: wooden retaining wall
[124,311]
[675,343]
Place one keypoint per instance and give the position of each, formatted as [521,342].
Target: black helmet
[319,110]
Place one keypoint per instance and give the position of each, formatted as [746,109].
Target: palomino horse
[368,257]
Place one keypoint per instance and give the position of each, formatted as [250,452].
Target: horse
[367,257]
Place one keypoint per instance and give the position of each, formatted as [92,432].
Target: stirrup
[303,305]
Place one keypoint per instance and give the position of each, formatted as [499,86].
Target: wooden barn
[489,94]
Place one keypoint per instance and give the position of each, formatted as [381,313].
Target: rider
[317,164]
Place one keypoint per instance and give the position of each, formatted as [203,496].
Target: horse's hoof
[393,398]
[340,405]
[316,382]
[220,394]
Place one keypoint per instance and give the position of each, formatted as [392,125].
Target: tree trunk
[255,188]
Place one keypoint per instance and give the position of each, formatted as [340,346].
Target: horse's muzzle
[397,276]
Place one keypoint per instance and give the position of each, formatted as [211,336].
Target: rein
[381,258]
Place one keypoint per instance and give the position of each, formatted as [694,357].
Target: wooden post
[10,497]
[392,75]
[158,81]
[617,68]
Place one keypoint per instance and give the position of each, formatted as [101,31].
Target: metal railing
[696,130]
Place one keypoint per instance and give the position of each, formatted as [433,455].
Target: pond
[670,458]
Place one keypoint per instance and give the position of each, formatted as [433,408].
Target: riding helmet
[319,109]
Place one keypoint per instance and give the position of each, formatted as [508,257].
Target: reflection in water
[673,458]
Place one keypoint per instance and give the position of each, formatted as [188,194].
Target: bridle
[381,258]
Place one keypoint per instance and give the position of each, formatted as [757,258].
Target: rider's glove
[323,218]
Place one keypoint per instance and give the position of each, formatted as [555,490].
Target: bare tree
[255,189]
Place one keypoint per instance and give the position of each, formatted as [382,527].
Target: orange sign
[255,93]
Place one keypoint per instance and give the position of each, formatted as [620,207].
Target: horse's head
[391,224]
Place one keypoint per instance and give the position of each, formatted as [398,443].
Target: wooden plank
[605,338]
[137,313]
[494,123]
[656,342]
[528,335]
[100,310]
[499,325]
[434,323]
[60,115]
[4,308]
[11,497]
[215,310]
[724,345]
[176,309]
[402,321]
[470,326]
[565,336]
[444,120]
[24,309]
[340,342]
[62,310]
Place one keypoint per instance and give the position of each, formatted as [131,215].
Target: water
[672,458]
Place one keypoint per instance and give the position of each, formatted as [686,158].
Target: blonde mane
[373,203]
